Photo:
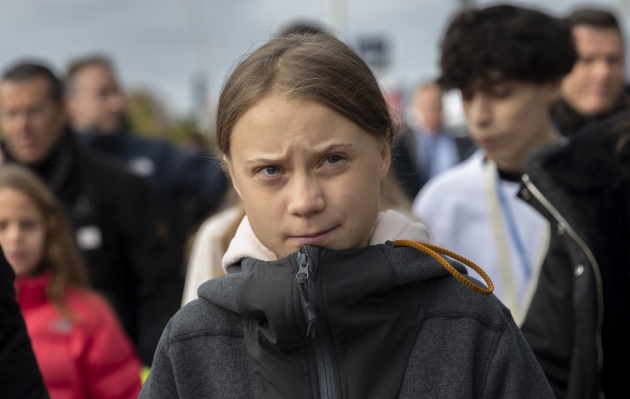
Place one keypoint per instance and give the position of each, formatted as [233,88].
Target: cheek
[37,241]
[359,192]
[581,76]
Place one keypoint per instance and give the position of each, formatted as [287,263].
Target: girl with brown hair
[81,349]
[325,296]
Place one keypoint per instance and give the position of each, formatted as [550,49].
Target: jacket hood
[390,225]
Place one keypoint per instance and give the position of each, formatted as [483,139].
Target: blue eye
[333,159]
[270,170]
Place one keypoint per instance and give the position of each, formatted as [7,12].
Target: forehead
[25,92]
[430,93]
[590,38]
[280,121]
[94,75]
[282,113]
[17,200]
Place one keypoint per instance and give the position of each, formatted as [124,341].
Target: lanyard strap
[504,266]
[513,231]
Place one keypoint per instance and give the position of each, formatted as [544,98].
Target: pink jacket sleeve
[110,365]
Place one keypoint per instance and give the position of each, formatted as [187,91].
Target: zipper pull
[302,273]
[302,279]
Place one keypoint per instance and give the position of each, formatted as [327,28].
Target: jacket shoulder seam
[210,332]
[494,326]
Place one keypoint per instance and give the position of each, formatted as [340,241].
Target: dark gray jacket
[376,322]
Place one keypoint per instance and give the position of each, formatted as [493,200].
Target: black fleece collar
[570,122]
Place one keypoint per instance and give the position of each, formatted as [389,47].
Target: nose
[479,111]
[306,197]
[602,70]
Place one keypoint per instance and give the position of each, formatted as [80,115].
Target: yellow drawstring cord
[434,251]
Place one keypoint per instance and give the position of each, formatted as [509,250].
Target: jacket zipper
[323,359]
[589,254]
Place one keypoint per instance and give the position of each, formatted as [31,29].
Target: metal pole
[336,12]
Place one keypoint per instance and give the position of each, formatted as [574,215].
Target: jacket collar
[361,322]
[31,290]
[570,122]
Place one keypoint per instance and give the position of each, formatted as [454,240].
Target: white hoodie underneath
[390,225]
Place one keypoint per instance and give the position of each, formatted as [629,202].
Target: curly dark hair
[505,42]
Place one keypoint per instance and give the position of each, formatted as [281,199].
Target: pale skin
[96,102]
[427,103]
[306,174]
[32,122]
[22,231]
[508,120]
[597,79]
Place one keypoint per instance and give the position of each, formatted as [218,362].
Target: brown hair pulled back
[309,66]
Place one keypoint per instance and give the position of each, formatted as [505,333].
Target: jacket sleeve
[549,324]
[161,380]
[109,362]
[513,371]
[19,374]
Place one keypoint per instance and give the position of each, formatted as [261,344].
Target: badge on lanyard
[89,237]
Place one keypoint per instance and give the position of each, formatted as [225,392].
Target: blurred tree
[149,117]
[147,114]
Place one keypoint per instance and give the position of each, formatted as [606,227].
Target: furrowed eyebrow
[318,152]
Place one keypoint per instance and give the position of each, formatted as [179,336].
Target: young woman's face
[306,175]
[22,231]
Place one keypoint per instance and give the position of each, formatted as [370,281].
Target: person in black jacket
[578,322]
[112,210]
[188,187]
[19,374]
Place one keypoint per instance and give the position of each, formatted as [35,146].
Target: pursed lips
[310,238]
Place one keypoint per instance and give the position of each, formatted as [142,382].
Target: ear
[230,168]
[386,156]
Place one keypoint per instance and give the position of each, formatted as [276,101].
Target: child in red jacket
[81,348]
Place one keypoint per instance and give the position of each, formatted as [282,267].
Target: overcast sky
[163,44]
